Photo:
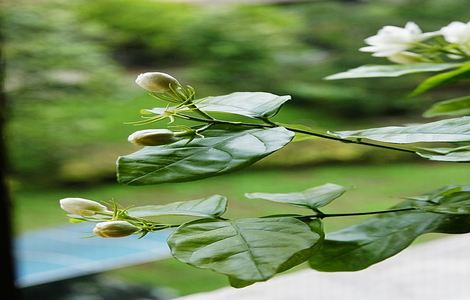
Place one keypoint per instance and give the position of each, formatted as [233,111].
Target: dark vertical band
[7,285]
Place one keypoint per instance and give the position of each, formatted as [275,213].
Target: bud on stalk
[406,57]
[152,137]
[82,207]
[156,82]
[114,229]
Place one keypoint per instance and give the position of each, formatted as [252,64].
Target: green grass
[371,187]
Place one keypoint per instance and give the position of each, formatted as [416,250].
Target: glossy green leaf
[453,107]
[461,208]
[247,250]
[316,226]
[312,198]
[440,195]
[237,283]
[248,104]
[454,199]
[210,207]
[362,245]
[449,130]
[457,154]
[443,78]
[221,151]
[391,70]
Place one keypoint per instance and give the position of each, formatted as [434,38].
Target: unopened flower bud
[82,207]
[152,137]
[114,229]
[156,82]
[406,57]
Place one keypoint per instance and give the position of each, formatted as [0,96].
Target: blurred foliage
[70,67]
[230,48]
[51,53]
[282,49]
[55,65]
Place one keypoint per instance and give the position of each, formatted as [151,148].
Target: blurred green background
[70,69]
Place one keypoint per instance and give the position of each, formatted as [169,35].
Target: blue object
[61,253]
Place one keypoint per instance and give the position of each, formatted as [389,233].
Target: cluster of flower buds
[411,45]
[165,87]
[108,228]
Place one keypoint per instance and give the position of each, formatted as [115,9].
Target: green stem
[377,212]
[202,113]
[307,132]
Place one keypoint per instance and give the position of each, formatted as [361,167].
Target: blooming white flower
[156,82]
[457,33]
[114,229]
[82,207]
[152,137]
[391,40]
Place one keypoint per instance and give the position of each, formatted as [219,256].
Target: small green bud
[152,137]
[114,229]
[156,82]
[82,207]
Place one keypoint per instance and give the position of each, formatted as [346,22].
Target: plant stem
[377,212]
[307,132]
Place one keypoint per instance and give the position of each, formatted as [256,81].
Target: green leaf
[452,107]
[461,208]
[440,195]
[449,130]
[362,245]
[454,199]
[247,250]
[249,104]
[440,79]
[237,283]
[210,207]
[312,198]
[221,151]
[457,154]
[316,226]
[391,70]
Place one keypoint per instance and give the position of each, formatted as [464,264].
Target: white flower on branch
[457,33]
[391,40]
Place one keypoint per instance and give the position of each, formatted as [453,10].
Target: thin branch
[378,212]
[307,132]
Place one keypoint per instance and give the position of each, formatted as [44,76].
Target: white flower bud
[114,229]
[82,207]
[156,82]
[406,57]
[152,137]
